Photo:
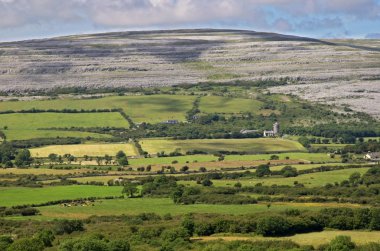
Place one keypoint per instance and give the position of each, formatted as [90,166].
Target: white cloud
[147,13]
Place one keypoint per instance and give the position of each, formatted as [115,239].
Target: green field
[12,196]
[169,160]
[149,108]
[310,157]
[26,125]
[308,166]
[260,145]
[309,180]
[217,104]
[163,206]
[315,239]
[85,149]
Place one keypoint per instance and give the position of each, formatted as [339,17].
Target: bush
[207,182]
[119,245]
[273,226]
[204,229]
[47,237]
[375,219]
[26,245]
[68,226]
[262,170]
[341,243]
[5,242]
[29,211]
[84,244]
[173,234]
[289,171]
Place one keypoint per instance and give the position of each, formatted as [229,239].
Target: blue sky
[24,19]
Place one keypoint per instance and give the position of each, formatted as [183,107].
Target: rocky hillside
[338,71]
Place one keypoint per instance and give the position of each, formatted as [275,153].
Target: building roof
[374,155]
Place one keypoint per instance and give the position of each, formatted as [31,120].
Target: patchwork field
[260,145]
[161,58]
[154,108]
[12,196]
[309,180]
[26,126]
[86,149]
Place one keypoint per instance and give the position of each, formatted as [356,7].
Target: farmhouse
[244,131]
[373,156]
[274,132]
[170,122]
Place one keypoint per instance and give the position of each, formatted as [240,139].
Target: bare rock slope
[338,71]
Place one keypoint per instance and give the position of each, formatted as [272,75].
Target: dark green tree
[130,189]
[289,171]
[262,170]
[273,226]
[23,158]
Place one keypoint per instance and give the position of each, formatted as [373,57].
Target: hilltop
[344,72]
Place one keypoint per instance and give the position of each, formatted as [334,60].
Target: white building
[274,132]
[373,156]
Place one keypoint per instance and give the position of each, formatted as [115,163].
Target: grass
[12,196]
[148,108]
[222,76]
[25,126]
[103,179]
[309,180]
[309,166]
[260,145]
[169,160]
[311,157]
[40,171]
[330,146]
[163,206]
[33,134]
[216,104]
[315,239]
[87,149]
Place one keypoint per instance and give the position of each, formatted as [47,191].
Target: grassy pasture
[307,157]
[219,165]
[309,180]
[12,196]
[217,104]
[40,171]
[162,206]
[33,134]
[25,126]
[308,166]
[152,108]
[85,149]
[330,146]
[260,145]
[315,238]
[169,160]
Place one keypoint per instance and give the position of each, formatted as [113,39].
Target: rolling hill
[343,72]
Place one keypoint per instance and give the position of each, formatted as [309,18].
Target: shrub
[68,226]
[26,245]
[341,243]
[119,245]
[273,226]
[173,234]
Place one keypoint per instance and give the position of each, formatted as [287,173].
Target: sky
[26,19]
